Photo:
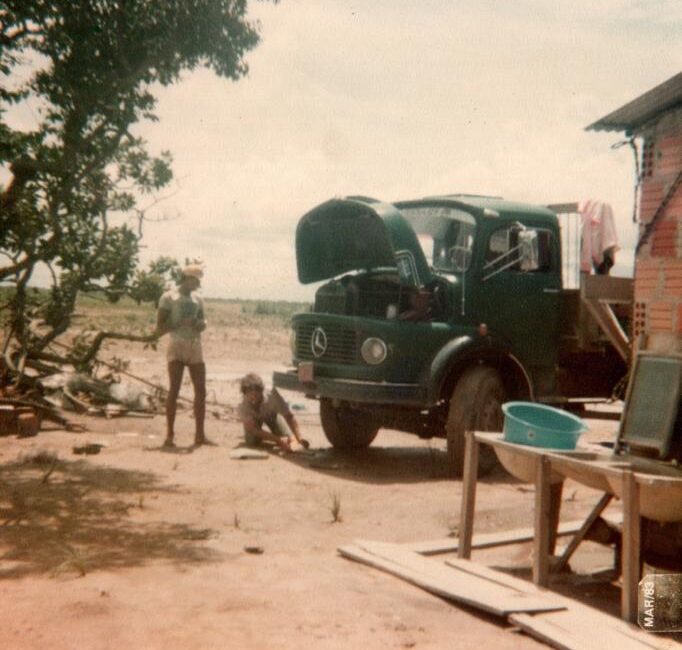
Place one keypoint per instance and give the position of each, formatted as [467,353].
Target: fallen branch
[119,370]
[102,336]
[146,382]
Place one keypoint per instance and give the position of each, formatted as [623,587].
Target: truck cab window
[517,248]
[452,253]
[446,235]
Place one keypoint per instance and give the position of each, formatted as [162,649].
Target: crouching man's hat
[252,380]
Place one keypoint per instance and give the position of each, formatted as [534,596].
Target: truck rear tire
[475,405]
[346,428]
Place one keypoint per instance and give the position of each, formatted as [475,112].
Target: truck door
[519,294]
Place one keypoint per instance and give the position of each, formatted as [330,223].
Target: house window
[648,159]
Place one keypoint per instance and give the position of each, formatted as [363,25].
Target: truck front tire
[475,405]
[345,428]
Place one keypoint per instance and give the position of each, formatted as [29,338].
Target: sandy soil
[135,547]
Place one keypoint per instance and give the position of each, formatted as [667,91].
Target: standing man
[599,241]
[181,314]
[257,409]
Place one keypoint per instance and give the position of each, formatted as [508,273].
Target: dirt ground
[140,548]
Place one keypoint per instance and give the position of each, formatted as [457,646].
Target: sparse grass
[94,313]
[42,458]
[277,309]
[127,316]
[19,507]
[335,507]
[236,522]
[75,561]
[48,473]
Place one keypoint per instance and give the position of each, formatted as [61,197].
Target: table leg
[630,556]
[466,520]
[555,492]
[542,521]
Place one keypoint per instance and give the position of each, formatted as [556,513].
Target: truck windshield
[446,235]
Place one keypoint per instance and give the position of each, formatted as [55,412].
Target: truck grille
[341,343]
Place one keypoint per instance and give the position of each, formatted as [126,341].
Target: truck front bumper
[350,390]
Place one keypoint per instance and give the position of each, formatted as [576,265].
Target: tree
[88,69]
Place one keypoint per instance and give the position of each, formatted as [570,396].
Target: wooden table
[547,466]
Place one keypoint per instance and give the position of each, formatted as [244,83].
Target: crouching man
[258,408]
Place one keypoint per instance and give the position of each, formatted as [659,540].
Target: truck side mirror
[529,250]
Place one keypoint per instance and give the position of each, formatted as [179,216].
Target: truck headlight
[373,351]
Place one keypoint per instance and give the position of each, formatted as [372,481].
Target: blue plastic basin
[538,425]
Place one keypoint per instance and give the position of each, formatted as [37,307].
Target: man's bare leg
[197,372]
[175,370]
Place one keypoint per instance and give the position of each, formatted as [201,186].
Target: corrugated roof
[643,109]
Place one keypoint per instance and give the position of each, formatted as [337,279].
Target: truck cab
[432,313]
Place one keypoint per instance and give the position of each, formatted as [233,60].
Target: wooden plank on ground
[488,540]
[576,626]
[558,621]
[499,577]
[583,628]
[245,454]
[453,584]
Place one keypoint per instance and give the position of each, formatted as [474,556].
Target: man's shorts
[279,427]
[187,351]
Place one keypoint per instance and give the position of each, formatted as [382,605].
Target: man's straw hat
[193,271]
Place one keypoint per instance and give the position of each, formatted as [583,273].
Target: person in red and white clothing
[599,240]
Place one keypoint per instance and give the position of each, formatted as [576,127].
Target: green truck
[432,313]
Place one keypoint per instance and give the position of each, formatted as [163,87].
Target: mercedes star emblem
[318,342]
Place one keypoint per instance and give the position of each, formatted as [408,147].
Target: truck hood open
[358,234]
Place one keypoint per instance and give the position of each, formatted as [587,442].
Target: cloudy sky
[399,99]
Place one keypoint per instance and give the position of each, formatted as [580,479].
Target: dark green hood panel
[344,235]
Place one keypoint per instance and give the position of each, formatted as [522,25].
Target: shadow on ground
[598,590]
[63,517]
[382,465]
